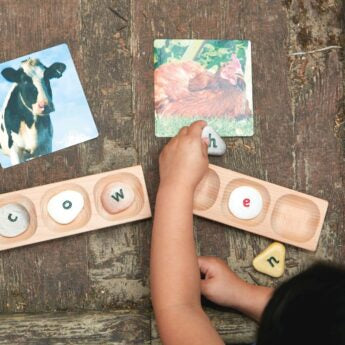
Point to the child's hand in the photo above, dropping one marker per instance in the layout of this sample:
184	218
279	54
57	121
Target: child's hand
224	287
221	285
184	160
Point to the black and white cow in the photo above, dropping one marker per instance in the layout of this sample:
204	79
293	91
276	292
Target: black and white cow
25	126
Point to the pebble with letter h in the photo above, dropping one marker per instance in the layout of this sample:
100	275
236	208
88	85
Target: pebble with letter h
216	145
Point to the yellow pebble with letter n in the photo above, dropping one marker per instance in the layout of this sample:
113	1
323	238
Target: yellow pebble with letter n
271	261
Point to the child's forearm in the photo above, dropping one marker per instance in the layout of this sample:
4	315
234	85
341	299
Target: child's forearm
254	300
175	277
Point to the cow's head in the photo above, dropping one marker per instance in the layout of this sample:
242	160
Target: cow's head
33	79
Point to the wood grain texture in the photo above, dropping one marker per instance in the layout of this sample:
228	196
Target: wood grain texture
280	140
117	260
86	328
50	275
297	102
317	87
232	327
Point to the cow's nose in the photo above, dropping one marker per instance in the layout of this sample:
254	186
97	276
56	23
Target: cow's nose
42	104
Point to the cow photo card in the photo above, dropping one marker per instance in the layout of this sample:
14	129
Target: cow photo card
44	108
207	80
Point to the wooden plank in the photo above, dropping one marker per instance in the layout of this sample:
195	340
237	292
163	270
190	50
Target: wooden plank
316	83
254	155
51	275
272	154
93	34
106	68
319	162
267	155
118	259
265	24
23	34
84	328
233	327
307	169
167	19
295	102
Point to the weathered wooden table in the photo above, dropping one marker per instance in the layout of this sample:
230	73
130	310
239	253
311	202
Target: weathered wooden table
93	288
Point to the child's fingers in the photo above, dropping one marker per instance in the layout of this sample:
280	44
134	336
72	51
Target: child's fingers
183	131
196	128
205	264
204	286
171	143
204	143
205	140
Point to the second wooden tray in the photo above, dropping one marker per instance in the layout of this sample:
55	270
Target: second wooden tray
287	216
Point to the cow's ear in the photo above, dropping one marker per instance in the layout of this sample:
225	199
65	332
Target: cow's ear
11	74
55	70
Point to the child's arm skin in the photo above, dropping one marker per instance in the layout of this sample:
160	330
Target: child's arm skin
175	274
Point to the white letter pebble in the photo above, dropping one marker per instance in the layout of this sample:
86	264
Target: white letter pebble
117	197
245	202
216	145
65	206
14	220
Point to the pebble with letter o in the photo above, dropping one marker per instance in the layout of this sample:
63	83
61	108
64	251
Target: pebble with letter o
65	206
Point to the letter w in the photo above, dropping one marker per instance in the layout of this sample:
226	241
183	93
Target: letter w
118	195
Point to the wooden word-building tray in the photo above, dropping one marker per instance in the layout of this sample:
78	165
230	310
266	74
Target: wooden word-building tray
45	212
286	215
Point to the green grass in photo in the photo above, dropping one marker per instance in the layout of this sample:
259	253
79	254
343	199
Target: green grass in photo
169	126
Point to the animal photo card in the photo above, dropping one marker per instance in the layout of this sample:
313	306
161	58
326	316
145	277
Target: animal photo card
44	108
207	80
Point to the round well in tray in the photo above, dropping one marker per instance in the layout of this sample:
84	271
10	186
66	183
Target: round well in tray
117	197
206	192
105	185
295	218
18	220
243	182
66	207
14	220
